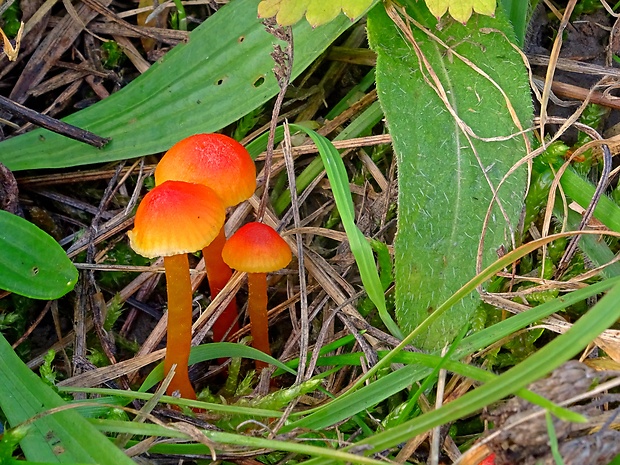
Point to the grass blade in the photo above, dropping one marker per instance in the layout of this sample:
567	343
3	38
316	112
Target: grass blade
562	348
337	174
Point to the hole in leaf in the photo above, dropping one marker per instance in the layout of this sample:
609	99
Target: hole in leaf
35	270
259	82
241	39
219	82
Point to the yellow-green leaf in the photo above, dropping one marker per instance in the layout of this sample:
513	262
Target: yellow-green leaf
268	8
291	10
461	10
288	12
438	7
485	7
321	12
355	9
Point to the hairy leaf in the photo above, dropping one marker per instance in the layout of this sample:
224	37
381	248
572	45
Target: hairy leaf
31	261
318	12
444	175
461	10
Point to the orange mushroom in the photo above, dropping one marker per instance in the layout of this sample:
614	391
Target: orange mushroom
224	165
257	249
173	219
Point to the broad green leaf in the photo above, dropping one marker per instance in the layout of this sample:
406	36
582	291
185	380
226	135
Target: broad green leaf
62	437
318	12
444	189
31	261
221	74
461	10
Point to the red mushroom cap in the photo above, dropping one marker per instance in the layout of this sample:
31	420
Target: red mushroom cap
214	160
256	248
176	217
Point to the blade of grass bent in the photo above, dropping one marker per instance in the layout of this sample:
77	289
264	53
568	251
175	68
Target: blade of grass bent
360	125
354	402
360	247
599	318
466	289
214	351
581	191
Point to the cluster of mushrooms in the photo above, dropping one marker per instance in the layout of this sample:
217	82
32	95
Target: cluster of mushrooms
195	181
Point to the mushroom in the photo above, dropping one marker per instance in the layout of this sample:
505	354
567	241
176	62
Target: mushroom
173	219
257	249
224	165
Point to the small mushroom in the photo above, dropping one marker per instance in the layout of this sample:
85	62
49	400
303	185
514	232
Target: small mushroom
224	165
257	249
173	219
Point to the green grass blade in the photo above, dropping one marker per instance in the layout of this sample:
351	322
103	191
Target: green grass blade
379	390
62	437
31	261
118	396
229	438
600	317
214	351
360	247
582	191
518	14
553	440
360	125
221	74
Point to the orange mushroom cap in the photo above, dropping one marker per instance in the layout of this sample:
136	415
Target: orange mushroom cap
176	217
256	248
214	160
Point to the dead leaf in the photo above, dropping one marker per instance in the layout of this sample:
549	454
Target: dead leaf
9	50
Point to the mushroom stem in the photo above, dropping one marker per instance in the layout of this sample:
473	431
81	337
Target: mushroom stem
257	309
218	274
179	335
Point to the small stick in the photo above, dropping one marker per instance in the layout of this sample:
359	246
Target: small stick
54	125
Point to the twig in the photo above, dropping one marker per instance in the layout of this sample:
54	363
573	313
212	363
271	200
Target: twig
54	125
283	70
571	248
303	301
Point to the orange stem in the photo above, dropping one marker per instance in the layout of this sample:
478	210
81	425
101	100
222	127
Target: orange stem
218	274
257	309
179	324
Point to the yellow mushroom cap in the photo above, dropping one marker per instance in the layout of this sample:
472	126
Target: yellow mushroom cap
256	248
176	217
214	160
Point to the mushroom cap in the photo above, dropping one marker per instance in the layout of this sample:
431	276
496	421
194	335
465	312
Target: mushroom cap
176	217
256	248
215	160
